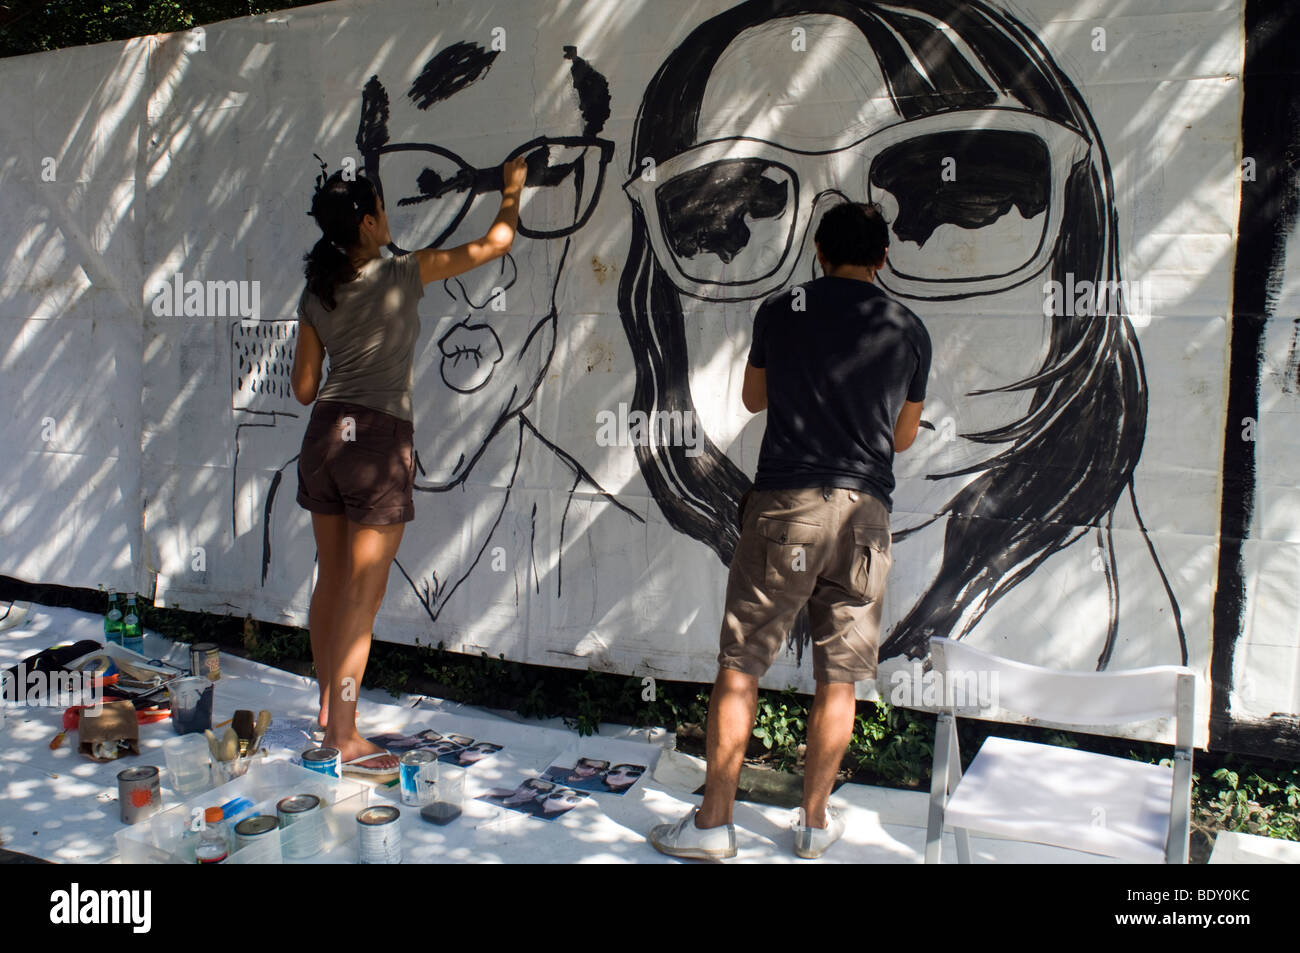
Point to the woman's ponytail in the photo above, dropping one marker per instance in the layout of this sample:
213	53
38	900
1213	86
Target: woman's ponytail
338	207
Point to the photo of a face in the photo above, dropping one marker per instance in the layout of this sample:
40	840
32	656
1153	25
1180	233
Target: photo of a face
593	774
396	742
475	753
587	768
560	801
446	749
620	778
523	798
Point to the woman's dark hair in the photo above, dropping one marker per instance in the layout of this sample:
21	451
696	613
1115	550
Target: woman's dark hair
852	233
338	207
1066	463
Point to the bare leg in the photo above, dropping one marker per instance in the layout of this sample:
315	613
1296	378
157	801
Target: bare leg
372	550
731	720
326	598
830	728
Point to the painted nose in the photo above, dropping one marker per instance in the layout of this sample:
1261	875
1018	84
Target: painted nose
485	285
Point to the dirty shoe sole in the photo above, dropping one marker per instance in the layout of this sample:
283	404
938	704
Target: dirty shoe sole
668	839
809	852
689	853
811	842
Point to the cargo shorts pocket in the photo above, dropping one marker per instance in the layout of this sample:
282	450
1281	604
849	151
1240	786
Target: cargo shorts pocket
788	551
872	557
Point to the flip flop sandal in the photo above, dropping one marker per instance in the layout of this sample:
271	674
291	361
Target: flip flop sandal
356	766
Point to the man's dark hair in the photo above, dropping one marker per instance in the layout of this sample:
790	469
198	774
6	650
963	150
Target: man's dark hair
853	233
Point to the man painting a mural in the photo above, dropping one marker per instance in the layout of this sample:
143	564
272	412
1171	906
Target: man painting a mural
905	90
841	370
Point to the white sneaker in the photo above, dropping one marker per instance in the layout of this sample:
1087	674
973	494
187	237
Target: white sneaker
811	842
684	839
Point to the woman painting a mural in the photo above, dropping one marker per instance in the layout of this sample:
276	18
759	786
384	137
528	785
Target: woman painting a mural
356	469
991	172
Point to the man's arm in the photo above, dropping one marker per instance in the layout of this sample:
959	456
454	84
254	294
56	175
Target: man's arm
308	356
909	421
753	393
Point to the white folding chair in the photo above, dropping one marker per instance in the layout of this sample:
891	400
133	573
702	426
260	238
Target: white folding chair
1046	794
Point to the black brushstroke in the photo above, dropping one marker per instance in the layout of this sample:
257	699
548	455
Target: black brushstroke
593	92
532	548
705	210
995	171
372	130
449	71
1270	134
266	522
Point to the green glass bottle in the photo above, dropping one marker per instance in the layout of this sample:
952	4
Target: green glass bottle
113	620
132	631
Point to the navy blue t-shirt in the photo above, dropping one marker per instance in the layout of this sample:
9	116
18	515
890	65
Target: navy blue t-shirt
838	372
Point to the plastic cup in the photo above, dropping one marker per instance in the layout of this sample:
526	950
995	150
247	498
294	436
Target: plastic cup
449	797
191	704
188	764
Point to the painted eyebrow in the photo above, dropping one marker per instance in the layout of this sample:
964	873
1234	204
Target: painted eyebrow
462	64
449	71
593	92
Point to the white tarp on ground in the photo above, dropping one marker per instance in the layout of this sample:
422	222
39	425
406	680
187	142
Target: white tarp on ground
59	806
190	157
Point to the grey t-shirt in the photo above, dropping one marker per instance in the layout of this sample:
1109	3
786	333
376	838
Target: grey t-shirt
370	335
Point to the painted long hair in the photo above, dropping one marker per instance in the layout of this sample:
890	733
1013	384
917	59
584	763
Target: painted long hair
1066	463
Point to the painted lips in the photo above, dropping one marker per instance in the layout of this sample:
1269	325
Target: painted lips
470	353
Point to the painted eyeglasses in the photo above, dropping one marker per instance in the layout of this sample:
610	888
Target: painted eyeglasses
428	190
974	197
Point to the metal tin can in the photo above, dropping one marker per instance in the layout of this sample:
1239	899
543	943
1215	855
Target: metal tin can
302	826
255	827
139	793
259	833
205	660
322	760
418	773
379	837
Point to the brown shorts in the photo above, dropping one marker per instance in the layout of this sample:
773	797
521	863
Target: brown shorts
828	549
357	462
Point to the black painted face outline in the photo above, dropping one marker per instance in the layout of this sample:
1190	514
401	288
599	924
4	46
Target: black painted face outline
489	179
1066	148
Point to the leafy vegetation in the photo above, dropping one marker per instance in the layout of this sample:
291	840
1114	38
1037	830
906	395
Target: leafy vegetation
31	26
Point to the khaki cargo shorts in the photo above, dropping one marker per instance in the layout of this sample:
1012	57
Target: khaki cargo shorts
828	549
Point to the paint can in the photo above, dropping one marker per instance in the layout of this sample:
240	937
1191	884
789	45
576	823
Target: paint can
418	773
259	833
138	793
323	760
205	660
302	826
379	837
